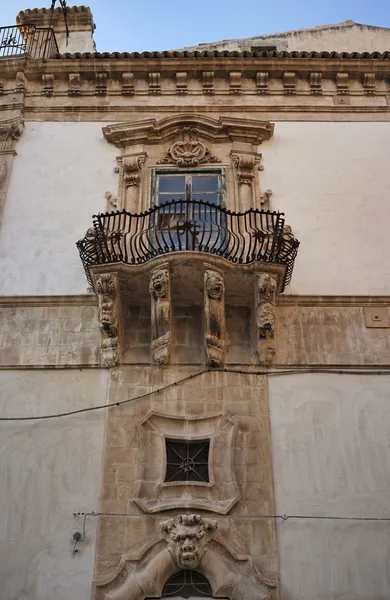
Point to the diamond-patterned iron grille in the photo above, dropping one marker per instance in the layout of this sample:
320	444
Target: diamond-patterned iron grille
187	460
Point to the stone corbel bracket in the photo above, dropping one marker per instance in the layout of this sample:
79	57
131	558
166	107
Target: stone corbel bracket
216	337
187	541
109	314
160	292
265	299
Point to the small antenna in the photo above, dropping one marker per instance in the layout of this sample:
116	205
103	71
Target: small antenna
64	12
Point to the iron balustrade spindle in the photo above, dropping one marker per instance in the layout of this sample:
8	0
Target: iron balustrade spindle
189	226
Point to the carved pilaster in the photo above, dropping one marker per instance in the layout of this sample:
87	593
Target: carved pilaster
160	292
216	340
265	293
107	290
245	164
10	132
131	166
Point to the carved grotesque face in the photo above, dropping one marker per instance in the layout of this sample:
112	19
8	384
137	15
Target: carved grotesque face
214	285
188	537
107	304
159	284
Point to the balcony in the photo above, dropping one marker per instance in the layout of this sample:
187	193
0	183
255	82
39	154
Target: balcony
256	236
27	40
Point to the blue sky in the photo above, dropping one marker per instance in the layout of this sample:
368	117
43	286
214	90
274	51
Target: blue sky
128	25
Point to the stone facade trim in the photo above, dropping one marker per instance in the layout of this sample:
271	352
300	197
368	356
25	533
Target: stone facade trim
219	495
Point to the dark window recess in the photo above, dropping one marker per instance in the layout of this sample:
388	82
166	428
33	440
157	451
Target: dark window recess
187	460
262	48
187	584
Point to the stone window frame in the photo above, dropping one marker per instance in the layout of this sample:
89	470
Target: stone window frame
219	494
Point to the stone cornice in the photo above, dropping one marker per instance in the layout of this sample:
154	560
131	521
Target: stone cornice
215	130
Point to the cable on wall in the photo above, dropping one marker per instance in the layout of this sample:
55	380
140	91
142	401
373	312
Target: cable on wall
333	371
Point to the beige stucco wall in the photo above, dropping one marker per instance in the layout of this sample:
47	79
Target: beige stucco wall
58	181
49	470
331	180
330	456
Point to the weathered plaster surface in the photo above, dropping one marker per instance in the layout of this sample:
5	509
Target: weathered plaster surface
58	180
330	438
49	470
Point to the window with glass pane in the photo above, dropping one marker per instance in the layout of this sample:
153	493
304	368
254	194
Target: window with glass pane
190	219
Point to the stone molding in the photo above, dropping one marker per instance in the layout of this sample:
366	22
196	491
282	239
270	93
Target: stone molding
219	495
160	292
224	129
185	541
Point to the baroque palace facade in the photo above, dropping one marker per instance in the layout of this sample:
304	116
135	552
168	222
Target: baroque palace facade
199	406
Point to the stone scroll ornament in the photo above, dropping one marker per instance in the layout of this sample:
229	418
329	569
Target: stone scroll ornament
216	340
190	543
108	314
265	318
160	291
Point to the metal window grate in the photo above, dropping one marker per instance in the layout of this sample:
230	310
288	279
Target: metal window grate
187	584
187	460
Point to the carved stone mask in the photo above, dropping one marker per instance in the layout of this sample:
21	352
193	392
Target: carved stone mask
105	288
214	285
188	537
158	286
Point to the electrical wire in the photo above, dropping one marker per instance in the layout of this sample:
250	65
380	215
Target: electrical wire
333	371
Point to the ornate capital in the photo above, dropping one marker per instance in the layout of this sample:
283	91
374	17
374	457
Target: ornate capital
245	164
10	131
132	165
187	150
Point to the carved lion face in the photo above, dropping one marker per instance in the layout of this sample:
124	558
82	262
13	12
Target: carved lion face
188	537
214	285
159	283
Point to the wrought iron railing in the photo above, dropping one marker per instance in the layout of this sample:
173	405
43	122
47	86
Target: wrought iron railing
196	226
36	42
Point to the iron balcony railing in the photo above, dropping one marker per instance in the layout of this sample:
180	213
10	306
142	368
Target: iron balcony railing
36	42
195	226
